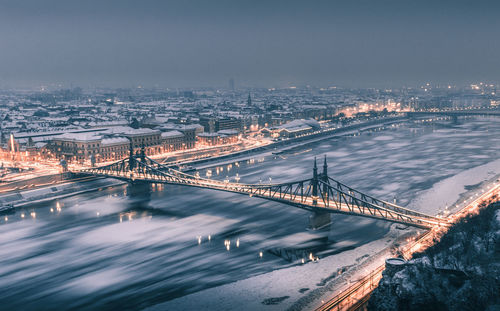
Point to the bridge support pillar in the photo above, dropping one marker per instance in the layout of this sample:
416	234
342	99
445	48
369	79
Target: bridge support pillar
139	190
319	220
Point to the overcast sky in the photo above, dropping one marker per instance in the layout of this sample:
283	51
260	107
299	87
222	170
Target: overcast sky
258	43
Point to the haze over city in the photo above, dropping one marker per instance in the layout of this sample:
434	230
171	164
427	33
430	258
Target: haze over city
258	43
249	155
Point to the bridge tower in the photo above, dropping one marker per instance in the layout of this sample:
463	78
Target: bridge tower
315	183
131	159
324	178
318	218
139	190
142	155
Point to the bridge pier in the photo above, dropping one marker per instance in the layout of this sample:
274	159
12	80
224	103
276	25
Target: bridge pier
139	193
319	220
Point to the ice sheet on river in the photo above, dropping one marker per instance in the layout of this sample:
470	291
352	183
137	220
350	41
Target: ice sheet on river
448	191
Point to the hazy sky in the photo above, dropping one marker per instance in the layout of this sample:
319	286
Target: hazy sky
259	43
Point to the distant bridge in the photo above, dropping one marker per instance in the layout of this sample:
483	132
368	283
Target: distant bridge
457	113
320	194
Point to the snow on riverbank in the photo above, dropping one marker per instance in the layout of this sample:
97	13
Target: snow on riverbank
450	190
282	289
257	293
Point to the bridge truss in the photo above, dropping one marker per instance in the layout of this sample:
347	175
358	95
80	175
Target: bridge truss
318	194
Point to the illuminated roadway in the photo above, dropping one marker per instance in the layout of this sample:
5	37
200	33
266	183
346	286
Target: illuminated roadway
356	295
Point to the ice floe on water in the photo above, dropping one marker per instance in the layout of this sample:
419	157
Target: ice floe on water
96	281
383	138
146	232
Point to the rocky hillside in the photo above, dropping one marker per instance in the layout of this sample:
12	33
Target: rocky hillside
460	272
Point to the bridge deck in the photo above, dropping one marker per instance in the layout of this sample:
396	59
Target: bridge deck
320	193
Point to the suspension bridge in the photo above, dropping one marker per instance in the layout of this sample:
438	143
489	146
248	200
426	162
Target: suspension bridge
319	194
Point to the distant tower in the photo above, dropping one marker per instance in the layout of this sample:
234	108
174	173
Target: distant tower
249	100
231	84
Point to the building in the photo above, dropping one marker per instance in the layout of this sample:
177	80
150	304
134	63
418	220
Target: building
209	139
145	138
75	147
208	124
292	129
229	136
189	131
104	145
231	84
228	124
223	137
212	125
114	148
173	141
114	143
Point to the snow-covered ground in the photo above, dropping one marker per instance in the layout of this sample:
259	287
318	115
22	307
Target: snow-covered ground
451	191
293	283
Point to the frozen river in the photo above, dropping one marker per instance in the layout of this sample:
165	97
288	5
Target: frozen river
132	247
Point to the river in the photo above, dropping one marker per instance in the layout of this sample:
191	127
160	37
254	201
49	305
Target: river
134	246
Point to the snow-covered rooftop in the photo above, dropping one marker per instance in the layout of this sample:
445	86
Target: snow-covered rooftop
114	141
228	132
205	134
140	131
83	137
171	134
